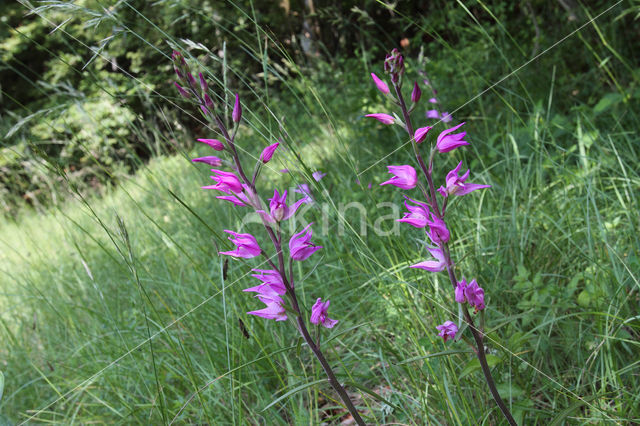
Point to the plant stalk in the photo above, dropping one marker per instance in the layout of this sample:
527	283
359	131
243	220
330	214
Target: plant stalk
302	328
478	335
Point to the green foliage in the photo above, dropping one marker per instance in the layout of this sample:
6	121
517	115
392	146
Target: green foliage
554	242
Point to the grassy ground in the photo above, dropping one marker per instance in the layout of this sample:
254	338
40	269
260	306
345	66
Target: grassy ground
114	308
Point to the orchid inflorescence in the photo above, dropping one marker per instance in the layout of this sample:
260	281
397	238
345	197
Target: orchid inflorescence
276	289
430	213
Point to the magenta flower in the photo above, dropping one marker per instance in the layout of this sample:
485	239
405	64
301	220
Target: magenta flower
433	100
433	265
245	198
213	143
237	110
246	245
474	295
300	246
447	330
455	184
438	231
183	92
433	113
446	117
274	310
421	133
459	292
210	160
318	175
303	189
272	284
447	142
267	153
381	85
416	93
225	181
418	215
279	210
319	314
404	177
383	118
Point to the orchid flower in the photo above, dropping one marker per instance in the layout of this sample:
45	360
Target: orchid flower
319	314
404	177
447	330
455	184
246	245
447	142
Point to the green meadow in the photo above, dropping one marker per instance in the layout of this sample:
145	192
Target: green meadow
115	306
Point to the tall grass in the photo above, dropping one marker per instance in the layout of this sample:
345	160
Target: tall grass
115	307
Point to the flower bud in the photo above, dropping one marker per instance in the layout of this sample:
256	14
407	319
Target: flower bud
416	93
267	153
207	101
203	83
183	92
237	110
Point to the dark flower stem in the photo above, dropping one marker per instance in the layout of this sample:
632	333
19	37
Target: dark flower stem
478	335
276	240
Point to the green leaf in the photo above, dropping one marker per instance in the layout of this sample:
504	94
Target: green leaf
511	391
607	101
294	390
1	384
474	365
557	420
444	353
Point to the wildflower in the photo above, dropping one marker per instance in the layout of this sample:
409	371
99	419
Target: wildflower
381	85
433	113
421	133
404	177
304	189
225	182
474	295
237	110
446	117
433	265
416	93
319	314
318	175
274	310
213	143
267	153
438	231
279	210
433	100
383	118
246	245
459	291
300	246
245	198
418	215
210	160
447	142
455	184
272	283
183	92
447	330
